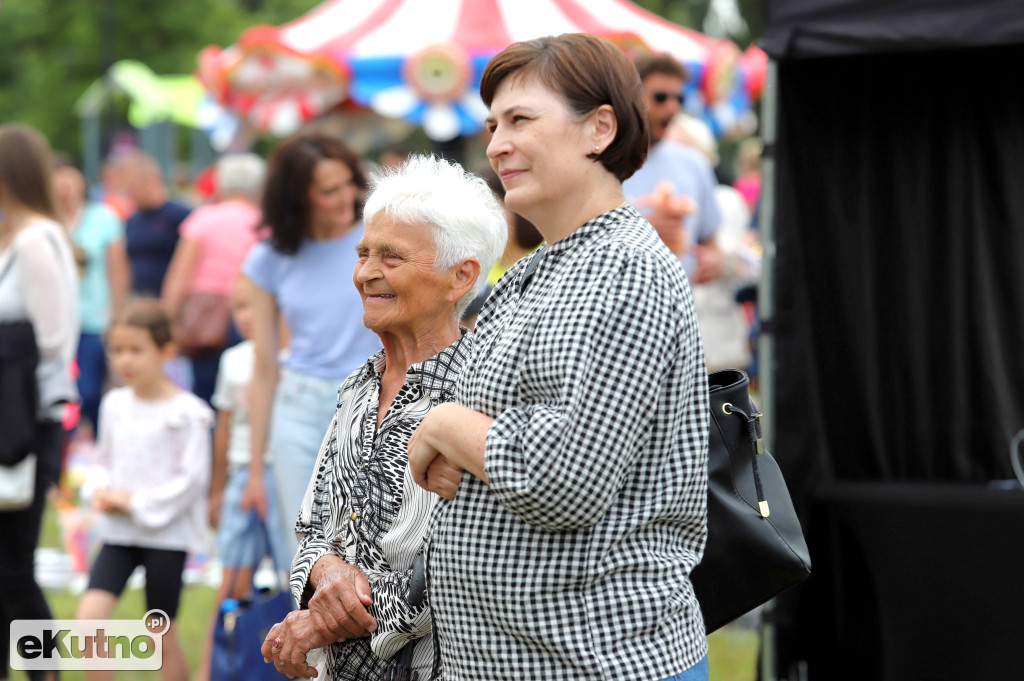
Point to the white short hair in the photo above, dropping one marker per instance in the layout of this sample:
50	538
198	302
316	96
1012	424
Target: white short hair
466	219
240	174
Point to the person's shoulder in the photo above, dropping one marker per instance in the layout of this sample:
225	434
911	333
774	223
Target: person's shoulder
239	353
117	397
40	232
193	408
176	210
634	251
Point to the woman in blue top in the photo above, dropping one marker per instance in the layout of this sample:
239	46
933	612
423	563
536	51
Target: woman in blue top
303	277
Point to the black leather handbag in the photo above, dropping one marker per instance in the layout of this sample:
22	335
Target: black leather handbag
755	546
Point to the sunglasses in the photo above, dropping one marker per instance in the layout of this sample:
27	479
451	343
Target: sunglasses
662	97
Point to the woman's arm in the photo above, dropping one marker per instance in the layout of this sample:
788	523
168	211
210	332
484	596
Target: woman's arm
120	272
590	382
450	439
48	293
261	393
219	478
179	274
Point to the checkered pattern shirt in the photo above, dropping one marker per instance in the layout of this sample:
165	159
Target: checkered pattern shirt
574	562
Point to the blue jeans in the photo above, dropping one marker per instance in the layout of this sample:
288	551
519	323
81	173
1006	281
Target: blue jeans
92	372
698	672
303	409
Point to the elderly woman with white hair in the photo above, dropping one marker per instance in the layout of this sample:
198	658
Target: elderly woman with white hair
431	229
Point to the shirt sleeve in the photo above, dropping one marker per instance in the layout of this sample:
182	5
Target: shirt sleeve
313	541
559	459
222	398
190	481
48	298
397	621
260	267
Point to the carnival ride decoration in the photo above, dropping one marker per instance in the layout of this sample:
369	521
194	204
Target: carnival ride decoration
421	60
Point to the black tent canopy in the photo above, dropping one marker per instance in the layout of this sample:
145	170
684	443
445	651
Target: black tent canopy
894	201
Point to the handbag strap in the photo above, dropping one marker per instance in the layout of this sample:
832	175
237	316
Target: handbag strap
755	436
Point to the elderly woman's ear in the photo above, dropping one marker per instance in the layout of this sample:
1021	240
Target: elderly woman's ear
465	275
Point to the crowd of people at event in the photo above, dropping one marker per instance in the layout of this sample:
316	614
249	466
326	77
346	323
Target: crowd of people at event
337	407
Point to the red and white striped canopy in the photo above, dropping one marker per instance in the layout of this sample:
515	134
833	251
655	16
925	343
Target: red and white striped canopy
282	76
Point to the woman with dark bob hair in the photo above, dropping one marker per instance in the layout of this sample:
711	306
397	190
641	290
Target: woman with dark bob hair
575	455
312	202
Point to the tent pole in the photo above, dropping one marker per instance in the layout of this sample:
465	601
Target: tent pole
766	310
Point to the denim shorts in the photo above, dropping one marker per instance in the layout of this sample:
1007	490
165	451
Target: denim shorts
698	672
241	539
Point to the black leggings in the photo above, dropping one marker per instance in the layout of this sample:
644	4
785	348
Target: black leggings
114	565
20	595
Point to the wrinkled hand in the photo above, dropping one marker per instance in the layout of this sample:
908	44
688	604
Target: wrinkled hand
430	469
340	600
255	496
295	636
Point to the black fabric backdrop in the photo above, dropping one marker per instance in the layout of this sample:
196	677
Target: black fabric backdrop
803	28
900	268
899	297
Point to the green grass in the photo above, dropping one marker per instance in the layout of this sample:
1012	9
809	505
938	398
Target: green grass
732	650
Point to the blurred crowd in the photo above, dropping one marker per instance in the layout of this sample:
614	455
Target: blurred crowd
245	300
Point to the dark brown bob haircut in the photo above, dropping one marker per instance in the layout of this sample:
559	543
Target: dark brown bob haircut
646	64
286	208
587	72
147	314
25	169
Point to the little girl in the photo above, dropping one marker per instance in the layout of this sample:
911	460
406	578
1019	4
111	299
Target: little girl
150	477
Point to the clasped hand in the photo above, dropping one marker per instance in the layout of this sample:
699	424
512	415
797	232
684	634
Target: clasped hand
431	469
337	611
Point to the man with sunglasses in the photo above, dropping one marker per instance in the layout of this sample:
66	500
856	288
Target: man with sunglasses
675	187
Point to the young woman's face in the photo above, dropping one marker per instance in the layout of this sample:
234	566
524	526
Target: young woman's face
538	147
135	358
332	195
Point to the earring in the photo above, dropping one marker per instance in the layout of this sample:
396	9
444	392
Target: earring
597	149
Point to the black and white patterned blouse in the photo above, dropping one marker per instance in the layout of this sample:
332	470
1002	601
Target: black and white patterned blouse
574	562
363	506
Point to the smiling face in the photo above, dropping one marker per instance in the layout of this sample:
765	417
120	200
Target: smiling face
135	357
402	292
663	98
332	196
538	147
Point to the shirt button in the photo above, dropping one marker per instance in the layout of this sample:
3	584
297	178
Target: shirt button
354	515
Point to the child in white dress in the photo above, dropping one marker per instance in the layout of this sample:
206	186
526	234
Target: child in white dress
149	479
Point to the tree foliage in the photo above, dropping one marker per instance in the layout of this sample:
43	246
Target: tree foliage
53	50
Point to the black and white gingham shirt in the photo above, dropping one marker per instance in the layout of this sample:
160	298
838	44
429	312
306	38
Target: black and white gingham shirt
574	563
363	506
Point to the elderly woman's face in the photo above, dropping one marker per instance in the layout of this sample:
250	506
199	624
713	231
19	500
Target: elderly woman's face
402	291
538	148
